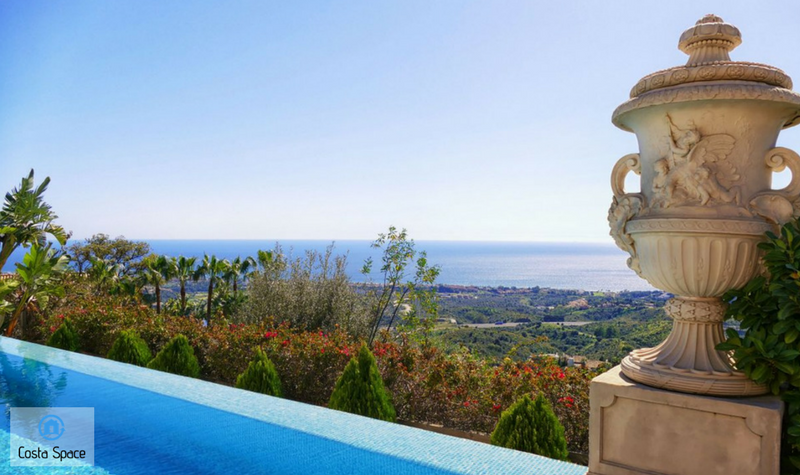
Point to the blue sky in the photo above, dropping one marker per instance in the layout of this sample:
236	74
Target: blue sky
332	120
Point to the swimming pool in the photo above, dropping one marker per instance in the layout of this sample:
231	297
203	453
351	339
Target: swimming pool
151	422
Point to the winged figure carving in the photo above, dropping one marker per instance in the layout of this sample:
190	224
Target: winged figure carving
696	170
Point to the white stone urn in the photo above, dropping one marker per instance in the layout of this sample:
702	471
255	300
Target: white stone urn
707	133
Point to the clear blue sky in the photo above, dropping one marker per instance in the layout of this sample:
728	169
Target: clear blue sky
481	120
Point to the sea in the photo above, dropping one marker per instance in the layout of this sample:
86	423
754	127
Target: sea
579	266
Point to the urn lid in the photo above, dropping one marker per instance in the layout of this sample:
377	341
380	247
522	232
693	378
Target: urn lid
708	44
710	74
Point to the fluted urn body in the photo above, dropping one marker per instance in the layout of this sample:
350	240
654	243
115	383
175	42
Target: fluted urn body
707	133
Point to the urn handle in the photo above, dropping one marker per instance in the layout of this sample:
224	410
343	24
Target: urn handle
626	164
778	159
625	206
779	206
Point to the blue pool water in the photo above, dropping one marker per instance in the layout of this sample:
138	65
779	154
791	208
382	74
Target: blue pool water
149	422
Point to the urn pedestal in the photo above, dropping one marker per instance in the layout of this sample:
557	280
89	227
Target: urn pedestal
640	430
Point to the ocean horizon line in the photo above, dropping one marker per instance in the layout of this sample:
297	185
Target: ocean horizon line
560	265
476	241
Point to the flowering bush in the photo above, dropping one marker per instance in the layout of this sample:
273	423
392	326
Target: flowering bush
462	391
427	384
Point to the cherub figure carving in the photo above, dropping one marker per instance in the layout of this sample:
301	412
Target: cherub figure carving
695	170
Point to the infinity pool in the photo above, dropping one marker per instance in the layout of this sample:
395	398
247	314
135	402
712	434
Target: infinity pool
148	422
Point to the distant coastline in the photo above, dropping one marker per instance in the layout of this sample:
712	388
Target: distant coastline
580	266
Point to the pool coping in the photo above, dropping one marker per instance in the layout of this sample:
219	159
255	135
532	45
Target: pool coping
443	452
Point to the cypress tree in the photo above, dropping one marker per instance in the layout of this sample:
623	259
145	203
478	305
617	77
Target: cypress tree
531	426
64	337
130	348
360	389
177	357
260	376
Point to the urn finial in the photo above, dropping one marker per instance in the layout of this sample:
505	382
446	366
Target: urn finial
709	41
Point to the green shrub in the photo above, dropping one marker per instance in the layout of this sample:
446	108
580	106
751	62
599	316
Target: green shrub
64	337
360	389
312	291
768	309
130	348
177	357
531	426
260	376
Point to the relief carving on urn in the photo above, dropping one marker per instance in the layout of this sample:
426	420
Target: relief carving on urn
707	132
695	171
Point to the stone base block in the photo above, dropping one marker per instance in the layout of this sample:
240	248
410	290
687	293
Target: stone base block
635	429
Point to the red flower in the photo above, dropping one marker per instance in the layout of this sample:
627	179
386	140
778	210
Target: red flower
285	343
466	403
496	407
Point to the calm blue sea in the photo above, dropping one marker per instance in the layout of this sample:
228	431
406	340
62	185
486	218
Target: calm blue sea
555	265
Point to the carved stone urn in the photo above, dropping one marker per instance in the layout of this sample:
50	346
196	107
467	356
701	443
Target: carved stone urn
707	133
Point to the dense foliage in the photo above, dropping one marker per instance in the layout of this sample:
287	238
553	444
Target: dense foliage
768	309
260	376
118	252
531	426
457	389
312	291
26	219
37	280
177	357
64	337
360	389
130	348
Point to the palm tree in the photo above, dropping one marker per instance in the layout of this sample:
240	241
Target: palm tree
212	269
158	271
26	219
184	271
239	268
104	273
38	279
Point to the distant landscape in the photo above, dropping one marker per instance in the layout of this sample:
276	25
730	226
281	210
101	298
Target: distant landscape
496	322
600	326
